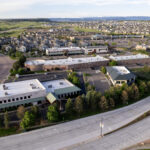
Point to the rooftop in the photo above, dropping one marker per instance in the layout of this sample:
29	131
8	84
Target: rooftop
119	73
59	86
130	57
55	49
21	87
68	61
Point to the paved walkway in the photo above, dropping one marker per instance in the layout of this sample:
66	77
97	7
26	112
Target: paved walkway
74	132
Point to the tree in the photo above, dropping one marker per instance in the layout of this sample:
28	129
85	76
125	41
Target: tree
103	69
79	105
136	94
111	103
35	111
6	120
112	63
53	113
22	60
103	104
20	112
142	88
69	107
16	65
76	81
28	120
124	97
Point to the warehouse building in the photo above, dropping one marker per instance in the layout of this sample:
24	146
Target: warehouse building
131	59
120	75
35	92
64	51
66	64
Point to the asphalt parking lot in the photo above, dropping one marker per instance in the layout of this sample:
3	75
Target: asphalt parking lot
97	79
5	65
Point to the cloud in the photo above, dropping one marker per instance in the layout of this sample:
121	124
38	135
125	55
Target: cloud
8	6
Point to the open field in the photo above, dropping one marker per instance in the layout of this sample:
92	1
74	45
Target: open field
13	29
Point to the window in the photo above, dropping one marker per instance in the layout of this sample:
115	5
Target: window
25	97
4	101
13	99
21	98
17	99
0	102
9	100
29	96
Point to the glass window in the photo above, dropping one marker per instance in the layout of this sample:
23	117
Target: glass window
29	96
25	97
4	101
21	98
17	99
9	100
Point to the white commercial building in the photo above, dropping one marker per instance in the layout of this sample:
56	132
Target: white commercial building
69	63
20	93
96	49
35	92
55	51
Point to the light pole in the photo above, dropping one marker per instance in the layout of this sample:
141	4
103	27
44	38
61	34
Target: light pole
101	127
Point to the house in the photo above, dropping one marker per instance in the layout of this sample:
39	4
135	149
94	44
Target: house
22	49
120	75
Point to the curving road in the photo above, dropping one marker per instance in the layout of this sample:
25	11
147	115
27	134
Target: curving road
74	132
5	65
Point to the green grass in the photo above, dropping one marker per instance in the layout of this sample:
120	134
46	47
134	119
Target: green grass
143	73
6	25
6	132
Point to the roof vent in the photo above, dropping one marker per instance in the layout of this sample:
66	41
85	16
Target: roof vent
6	93
50	86
5	87
61	83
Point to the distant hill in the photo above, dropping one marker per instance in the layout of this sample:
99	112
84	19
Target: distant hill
30	19
144	18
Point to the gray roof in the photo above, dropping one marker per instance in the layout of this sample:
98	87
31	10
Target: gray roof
117	76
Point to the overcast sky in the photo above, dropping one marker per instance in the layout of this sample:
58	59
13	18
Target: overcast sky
73	8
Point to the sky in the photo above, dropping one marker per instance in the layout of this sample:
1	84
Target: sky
72	8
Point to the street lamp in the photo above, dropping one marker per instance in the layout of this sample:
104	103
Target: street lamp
101	127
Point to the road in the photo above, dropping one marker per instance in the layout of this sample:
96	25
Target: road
5	65
74	132
120	139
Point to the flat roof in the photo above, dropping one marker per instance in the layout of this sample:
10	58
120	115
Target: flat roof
51	86
130	57
68	61
21	87
56	49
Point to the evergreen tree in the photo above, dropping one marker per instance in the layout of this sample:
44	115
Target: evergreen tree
20	112
124	97
69	107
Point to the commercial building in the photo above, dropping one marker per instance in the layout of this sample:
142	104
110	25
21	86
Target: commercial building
60	90
36	92
131	59
66	64
64	51
120	75
21	93
96	49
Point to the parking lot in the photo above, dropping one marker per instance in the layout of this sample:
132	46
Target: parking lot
97	79
5	65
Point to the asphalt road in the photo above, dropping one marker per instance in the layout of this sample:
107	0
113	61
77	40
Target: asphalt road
76	132
120	139
5	65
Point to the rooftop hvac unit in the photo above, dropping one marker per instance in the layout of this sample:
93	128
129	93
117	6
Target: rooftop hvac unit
6	93
61	83
5	87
